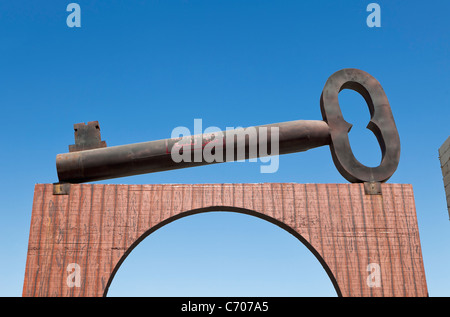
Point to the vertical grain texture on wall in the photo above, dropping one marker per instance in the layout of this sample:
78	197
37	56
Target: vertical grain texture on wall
97	225
444	156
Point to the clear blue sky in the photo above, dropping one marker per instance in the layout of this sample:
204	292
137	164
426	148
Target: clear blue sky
142	68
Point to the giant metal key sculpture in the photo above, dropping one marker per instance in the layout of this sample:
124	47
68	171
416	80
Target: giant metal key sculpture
89	159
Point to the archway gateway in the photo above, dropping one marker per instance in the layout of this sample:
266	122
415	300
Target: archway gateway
221	254
367	241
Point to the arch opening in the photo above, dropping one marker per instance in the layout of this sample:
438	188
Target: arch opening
270	257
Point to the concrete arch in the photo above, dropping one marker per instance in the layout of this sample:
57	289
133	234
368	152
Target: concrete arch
229	209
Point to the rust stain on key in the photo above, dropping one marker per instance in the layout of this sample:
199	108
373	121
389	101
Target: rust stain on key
294	136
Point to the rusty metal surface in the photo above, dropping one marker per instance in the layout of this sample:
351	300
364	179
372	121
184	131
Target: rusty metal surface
87	137
155	156
381	124
372	188
61	188
90	164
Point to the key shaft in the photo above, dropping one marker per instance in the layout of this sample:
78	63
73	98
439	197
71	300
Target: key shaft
155	156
